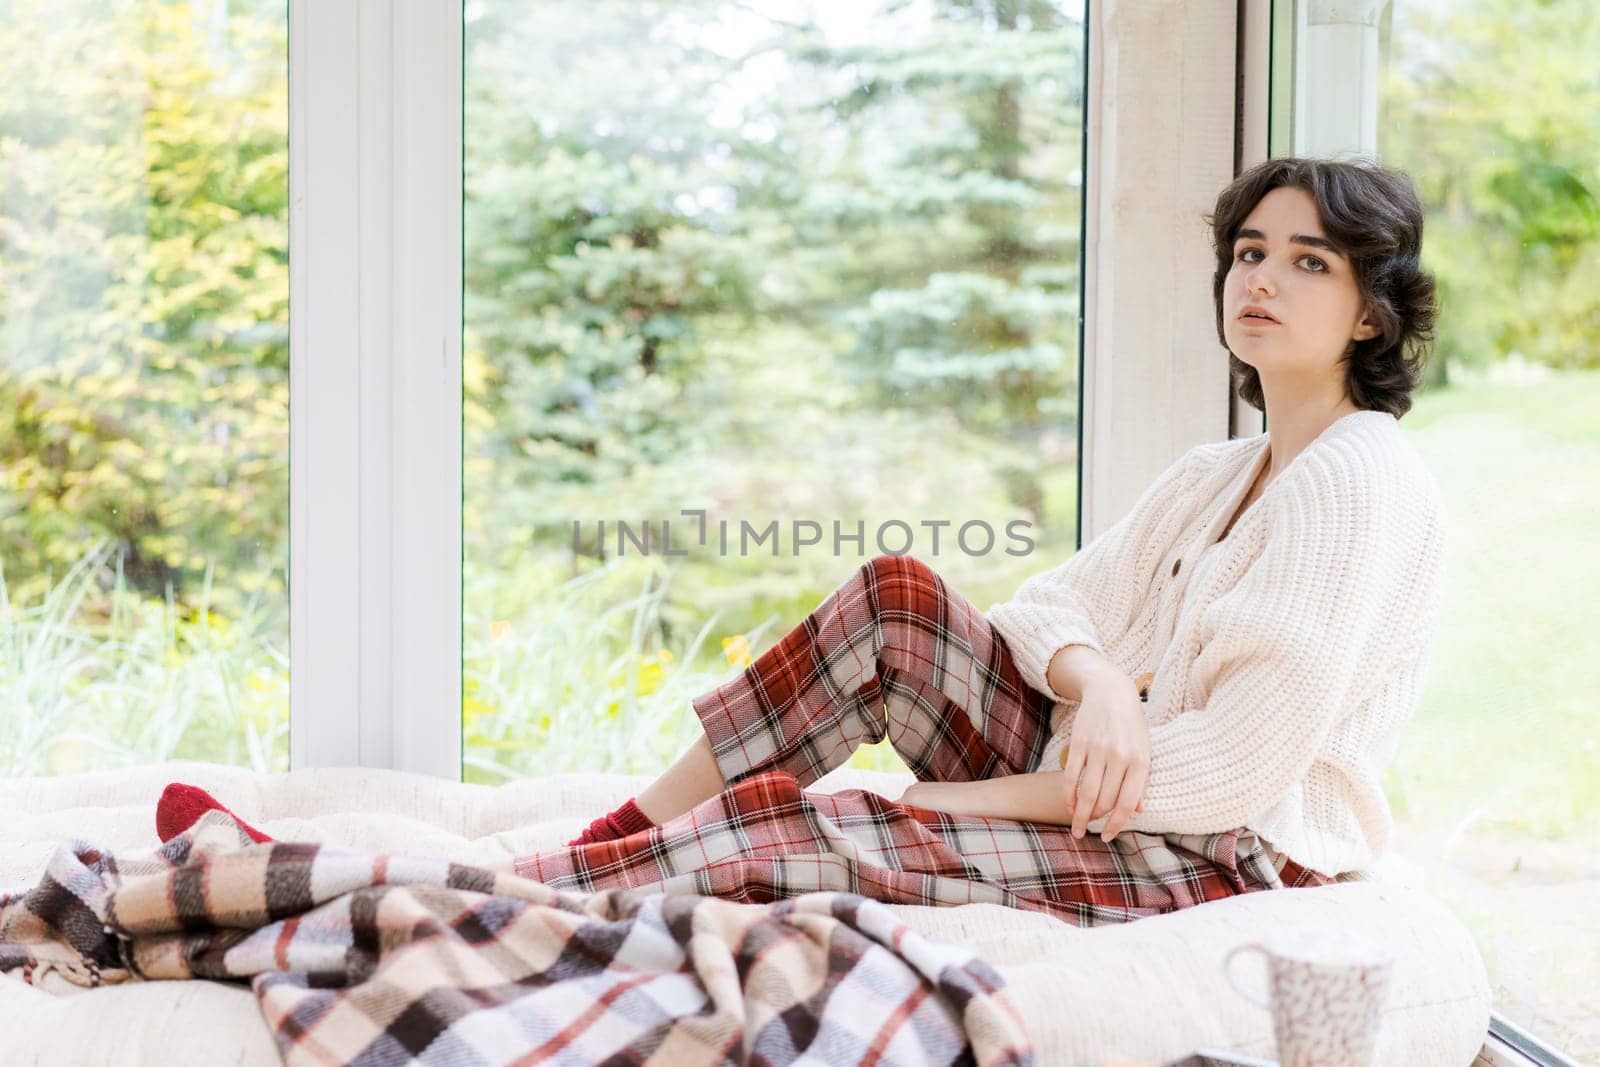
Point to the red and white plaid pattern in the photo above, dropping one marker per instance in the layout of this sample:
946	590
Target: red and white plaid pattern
895	652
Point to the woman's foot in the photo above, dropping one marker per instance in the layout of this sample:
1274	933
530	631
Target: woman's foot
626	820
180	805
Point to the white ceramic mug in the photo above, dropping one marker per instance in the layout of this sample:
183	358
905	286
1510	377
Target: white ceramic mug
1327	987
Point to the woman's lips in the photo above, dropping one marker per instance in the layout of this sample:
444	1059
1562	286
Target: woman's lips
1253	320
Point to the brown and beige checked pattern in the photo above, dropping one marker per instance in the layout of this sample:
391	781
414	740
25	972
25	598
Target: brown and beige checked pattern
358	957
895	652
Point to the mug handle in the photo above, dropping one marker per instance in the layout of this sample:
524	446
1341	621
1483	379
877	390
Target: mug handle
1227	971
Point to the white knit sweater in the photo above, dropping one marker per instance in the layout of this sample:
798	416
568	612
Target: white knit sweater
1286	657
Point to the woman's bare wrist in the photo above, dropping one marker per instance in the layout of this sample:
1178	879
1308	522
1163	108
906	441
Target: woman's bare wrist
1076	669
1108	679
955	798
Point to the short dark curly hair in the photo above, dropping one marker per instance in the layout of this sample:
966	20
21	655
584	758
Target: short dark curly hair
1372	214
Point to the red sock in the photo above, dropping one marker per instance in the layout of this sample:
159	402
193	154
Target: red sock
180	805
626	820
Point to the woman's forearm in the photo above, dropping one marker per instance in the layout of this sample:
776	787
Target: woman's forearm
1037	797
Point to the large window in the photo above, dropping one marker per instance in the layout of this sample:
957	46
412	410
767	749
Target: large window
754	293
143	384
1494	109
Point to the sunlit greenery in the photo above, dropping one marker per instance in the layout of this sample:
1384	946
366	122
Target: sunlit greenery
144	299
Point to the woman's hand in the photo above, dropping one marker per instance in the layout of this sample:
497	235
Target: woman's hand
1108	755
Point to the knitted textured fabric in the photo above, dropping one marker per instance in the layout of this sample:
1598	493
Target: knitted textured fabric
1286	658
626	820
180	805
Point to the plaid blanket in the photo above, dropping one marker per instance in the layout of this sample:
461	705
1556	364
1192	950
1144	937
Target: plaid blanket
360	957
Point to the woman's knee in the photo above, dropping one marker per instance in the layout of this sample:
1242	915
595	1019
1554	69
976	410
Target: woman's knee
890	571
904	585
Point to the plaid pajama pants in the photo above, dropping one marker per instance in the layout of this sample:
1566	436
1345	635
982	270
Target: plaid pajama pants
895	652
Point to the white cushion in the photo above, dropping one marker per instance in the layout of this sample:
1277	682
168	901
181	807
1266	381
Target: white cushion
1147	990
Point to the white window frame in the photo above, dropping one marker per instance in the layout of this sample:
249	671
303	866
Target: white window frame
375	384
1334	38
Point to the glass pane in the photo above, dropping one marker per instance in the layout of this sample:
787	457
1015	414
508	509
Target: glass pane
806	273
143	384
1493	109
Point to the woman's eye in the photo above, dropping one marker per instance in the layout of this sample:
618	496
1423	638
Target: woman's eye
1321	267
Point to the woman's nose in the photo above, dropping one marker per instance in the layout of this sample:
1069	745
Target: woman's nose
1257	280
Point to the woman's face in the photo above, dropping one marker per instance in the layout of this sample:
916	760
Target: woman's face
1283	262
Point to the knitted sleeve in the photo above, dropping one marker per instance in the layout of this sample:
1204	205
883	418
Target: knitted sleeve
1348	576
1098	587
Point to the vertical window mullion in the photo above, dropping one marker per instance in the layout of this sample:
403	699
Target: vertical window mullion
426	523
325	659
375	383
1161	139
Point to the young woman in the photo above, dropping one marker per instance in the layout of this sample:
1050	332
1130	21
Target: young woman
1198	703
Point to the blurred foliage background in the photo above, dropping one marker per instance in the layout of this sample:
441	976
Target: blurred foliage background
144	298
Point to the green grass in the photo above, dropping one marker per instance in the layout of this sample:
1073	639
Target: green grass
94	677
1505	733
